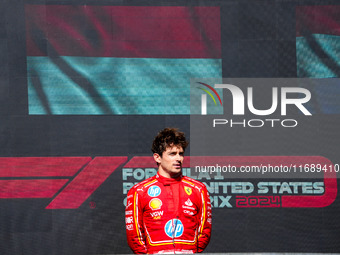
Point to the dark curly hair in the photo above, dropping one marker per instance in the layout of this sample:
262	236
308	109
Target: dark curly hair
167	138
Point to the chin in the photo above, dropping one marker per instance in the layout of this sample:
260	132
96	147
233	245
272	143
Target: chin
177	171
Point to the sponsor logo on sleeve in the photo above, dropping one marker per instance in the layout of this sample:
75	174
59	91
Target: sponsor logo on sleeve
128	212
129	227
128	205
128	220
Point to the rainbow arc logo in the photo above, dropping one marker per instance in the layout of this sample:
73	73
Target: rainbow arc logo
204	97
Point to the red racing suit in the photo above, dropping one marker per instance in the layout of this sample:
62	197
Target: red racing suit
166	215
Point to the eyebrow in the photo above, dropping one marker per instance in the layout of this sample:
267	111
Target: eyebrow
180	152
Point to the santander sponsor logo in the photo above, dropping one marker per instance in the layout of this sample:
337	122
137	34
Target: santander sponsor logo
188	205
188	202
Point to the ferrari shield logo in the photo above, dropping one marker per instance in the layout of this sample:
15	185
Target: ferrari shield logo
188	190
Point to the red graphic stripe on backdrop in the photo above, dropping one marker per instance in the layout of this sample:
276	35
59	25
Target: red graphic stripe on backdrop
30	188
123	31
86	182
318	19
41	166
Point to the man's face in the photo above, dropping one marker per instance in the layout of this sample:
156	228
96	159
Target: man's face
170	163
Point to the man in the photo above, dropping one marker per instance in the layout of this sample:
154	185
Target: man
168	213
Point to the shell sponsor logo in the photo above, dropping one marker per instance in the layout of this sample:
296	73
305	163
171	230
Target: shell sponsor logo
155	203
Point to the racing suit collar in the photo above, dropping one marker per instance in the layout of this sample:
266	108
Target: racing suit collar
168	181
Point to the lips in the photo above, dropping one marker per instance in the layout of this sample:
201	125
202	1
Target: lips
177	165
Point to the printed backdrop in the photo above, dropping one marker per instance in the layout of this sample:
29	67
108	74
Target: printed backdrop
86	85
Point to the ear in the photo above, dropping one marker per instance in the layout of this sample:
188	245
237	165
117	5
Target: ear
157	158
